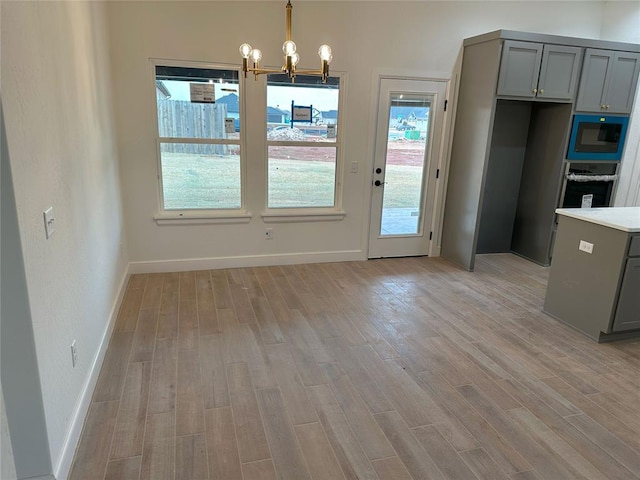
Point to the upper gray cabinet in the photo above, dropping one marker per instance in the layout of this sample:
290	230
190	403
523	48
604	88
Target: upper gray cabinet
608	81
537	71
519	69
559	72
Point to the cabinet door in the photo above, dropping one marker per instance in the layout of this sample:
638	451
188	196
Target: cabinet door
593	80
519	69
621	87
559	72
628	312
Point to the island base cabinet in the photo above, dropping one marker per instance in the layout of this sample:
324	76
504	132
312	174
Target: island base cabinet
582	286
594	282
628	311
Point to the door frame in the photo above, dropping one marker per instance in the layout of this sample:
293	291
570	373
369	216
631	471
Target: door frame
441	157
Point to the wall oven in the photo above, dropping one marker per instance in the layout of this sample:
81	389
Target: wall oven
597	137
589	185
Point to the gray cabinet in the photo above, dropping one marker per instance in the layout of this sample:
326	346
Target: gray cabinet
519	69
533	70
628	310
608	81
596	290
496	154
559	72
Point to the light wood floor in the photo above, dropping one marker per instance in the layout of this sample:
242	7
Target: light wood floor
388	369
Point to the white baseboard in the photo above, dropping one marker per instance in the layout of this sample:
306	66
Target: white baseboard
61	470
245	261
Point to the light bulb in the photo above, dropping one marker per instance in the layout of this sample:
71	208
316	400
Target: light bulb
325	52
288	48
256	55
245	50
295	58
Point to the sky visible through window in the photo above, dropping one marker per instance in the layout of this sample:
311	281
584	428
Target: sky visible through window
321	98
279	96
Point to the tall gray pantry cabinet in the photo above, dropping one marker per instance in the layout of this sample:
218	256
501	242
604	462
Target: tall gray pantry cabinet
517	96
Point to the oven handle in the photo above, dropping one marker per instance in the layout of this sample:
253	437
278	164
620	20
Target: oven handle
572	177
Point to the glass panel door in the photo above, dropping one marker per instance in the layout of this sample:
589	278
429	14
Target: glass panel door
408	137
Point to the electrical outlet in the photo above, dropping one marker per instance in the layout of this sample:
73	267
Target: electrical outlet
268	233
354	167
586	246
74	354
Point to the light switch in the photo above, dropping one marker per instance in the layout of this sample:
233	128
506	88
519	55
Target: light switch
49	222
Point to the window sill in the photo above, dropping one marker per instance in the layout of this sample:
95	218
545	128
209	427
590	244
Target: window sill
201	218
299	215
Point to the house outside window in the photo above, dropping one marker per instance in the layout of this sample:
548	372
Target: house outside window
199	141
303	144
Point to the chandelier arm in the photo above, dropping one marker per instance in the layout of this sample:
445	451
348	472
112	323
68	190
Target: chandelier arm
308	72
320	73
260	71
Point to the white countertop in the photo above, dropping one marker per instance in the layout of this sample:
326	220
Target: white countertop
626	219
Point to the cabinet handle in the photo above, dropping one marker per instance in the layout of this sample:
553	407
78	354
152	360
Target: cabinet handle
607	106
541	91
535	90
603	106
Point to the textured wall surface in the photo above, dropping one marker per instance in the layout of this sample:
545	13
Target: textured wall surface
621	22
57	103
18	360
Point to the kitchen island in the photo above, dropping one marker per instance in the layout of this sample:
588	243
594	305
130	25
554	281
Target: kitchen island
594	282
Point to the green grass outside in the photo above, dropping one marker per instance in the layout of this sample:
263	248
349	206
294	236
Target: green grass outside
196	181
192	181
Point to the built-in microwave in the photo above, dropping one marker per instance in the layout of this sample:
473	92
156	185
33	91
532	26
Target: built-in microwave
597	137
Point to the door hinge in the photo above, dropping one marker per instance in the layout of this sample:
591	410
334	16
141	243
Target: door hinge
438	173
430	235
445	105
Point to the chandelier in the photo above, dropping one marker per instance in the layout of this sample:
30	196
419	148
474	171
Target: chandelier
291	57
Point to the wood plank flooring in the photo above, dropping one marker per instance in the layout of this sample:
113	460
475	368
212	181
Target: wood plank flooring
390	369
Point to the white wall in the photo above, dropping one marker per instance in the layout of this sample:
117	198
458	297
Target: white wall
60	138
19	372
366	37
621	22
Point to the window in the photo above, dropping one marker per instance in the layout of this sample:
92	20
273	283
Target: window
302	142
199	120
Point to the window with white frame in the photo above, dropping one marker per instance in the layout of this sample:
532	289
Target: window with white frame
302	142
199	121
